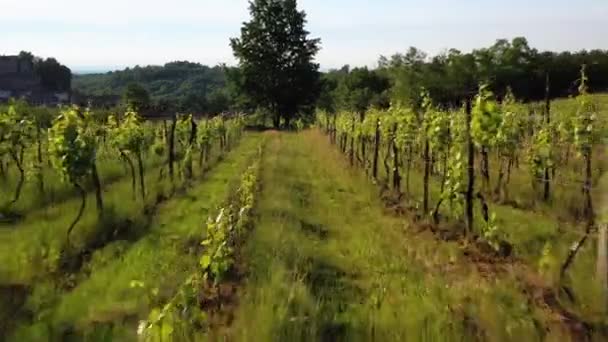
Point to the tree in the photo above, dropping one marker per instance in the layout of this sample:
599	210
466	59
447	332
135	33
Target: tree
359	89
276	59
136	96
54	75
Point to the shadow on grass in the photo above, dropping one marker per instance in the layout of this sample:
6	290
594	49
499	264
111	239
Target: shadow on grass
111	227
335	292
315	229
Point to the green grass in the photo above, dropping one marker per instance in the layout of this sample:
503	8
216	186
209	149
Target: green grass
38	241
327	263
125	280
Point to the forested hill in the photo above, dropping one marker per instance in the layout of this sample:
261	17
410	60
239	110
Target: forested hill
185	84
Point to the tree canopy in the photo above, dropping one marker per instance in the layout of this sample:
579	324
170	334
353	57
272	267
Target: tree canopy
53	75
183	85
136	96
276	59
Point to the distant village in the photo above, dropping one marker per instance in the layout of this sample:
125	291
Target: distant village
18	80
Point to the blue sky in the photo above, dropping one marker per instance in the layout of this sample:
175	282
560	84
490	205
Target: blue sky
108	34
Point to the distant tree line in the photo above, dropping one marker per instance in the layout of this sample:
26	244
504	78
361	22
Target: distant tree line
452	75
292	87
182	86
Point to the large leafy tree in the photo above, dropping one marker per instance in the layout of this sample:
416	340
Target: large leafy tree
276	59
136	96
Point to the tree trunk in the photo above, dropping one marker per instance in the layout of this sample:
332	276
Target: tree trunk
191	141
436	211
485	211
97	185
485	169
444	171
363	156
276	121
588	211
573	252
508	180
165	131
333	129
202	159
547	185
387	167
171	160
132	169
83	203
376	151
470	171
427	174
142	181
501	176
18	163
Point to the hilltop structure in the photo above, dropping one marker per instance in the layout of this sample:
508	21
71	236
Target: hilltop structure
18	79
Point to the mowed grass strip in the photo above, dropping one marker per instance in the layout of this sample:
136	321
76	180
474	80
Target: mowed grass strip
326	262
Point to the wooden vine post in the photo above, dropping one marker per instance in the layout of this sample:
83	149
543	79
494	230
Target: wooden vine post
547	177
376	150
171	156
470	170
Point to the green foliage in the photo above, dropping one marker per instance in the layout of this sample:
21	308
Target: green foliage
275	55
492	233
451	76
585	129
407	126
541	155
179	318
130	134
455	182
486	118
136	97
73	144
53	75
353	90
509	135
190	87
16	129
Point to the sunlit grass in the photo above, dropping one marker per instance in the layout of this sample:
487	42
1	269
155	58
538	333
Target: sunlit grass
125	280
327	263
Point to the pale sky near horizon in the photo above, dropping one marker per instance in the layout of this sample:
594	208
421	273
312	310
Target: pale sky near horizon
111	34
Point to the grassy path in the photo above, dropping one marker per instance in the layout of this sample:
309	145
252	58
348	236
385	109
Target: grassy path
327	263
